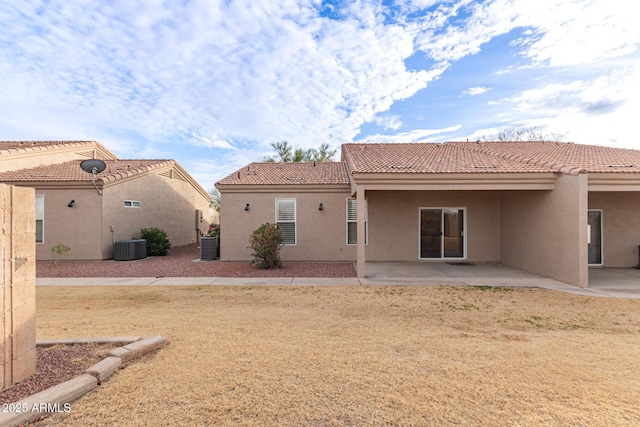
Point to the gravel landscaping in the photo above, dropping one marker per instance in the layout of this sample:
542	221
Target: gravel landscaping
55	365
183	261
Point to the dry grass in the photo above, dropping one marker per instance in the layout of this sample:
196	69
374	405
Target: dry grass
325	356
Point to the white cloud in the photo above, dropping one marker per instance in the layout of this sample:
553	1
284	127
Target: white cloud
559	32
601	111
476	90
267	70
416	135
213	73
392	122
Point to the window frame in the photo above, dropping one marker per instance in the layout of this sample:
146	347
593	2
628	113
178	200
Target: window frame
295	218
41	219
133	204
355	221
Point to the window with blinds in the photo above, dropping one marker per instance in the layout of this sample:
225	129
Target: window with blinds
39	218
286	219
352	222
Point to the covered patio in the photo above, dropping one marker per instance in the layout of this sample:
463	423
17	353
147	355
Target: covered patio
610	282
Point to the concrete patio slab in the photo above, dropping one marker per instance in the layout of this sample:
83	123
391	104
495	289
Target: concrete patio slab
256	281
67	281
325	281
186	281
119	281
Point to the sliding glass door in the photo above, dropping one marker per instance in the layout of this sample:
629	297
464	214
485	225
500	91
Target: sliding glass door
442	233
595	237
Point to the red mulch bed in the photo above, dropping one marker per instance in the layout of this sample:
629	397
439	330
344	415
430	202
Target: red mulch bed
55	365
183	261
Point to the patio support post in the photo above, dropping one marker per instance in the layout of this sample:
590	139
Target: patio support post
361	232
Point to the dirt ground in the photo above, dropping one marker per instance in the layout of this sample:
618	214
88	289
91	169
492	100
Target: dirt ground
346	356
183	261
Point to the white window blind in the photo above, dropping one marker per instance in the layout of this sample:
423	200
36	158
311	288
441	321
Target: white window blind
352	222
286	219
39	218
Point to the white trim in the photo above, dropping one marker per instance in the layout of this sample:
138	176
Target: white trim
464	233
295	218
601	239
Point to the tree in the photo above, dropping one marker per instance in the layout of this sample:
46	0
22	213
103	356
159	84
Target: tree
324	153
215	199
286	153
523	133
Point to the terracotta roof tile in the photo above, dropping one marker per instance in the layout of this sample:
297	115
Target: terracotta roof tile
414	158
10	147
490	157
590	158
70	171
269	173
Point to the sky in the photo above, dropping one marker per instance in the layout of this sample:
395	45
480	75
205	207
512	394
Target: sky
212	83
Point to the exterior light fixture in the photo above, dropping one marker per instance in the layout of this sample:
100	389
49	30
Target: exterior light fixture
321	207
246	207
71	203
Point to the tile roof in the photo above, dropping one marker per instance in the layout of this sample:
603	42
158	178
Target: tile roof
270	173
414	158
11	147
488	157
590	158
71	172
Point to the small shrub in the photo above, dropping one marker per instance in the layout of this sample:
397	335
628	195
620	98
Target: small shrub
158	243
266	242
214	230
60	249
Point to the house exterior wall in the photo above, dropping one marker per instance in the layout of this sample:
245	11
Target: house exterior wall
166	203
321	235
545	232
394	218
78	227
393	224
621	226
18	284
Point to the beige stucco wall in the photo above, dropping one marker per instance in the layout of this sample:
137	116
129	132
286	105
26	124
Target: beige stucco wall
621	226
78	227
321	235
166	203
545	232
393	224
394	218
18	273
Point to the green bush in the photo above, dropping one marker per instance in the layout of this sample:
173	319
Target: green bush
266	242
60	249
158	242
214	230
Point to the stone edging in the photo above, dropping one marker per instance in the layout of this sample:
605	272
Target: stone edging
59	397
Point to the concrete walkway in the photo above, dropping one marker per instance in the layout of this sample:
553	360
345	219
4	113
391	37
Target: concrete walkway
604	282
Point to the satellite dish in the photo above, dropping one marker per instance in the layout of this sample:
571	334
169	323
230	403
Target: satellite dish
93	166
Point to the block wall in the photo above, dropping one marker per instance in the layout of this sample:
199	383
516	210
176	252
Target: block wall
18	276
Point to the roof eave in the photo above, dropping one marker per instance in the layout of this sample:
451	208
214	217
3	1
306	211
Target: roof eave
279	188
